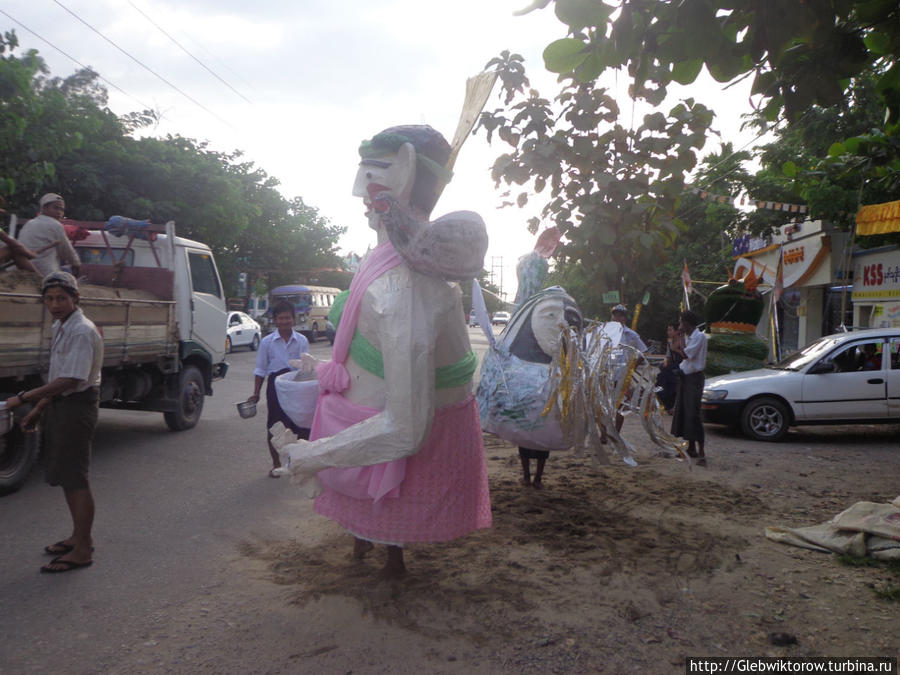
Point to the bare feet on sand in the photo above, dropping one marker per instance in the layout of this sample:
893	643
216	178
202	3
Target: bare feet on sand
361	547
394	568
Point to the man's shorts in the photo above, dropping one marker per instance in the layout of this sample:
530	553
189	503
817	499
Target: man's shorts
68	429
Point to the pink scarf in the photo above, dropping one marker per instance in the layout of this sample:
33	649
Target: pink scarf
334	413
333	376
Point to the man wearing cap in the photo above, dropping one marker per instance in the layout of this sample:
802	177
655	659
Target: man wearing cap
629	338
46	236
68	404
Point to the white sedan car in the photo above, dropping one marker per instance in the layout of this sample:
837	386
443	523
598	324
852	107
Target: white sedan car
241	331
500	318
844	378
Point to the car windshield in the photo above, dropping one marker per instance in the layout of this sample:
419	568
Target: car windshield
812	351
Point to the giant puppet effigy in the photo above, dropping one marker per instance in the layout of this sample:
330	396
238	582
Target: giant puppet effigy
732	314
395	452
550	380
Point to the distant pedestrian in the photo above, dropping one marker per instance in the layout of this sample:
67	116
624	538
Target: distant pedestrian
46	236
68	403
686	422
540	457
276	350
629	338
670	373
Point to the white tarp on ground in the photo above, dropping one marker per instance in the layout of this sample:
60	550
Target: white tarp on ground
865	529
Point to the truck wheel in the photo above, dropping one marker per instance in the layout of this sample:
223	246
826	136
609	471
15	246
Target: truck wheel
18	453
191	392
314	333
765	419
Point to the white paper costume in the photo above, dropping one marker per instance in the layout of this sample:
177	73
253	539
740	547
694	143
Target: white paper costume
549	382
515	374
396	440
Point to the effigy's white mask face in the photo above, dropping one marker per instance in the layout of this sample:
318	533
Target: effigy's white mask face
547	321
392	173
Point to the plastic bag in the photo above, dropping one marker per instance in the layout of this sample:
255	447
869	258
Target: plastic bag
298	393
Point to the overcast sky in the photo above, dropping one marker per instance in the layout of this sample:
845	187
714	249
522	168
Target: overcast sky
306	80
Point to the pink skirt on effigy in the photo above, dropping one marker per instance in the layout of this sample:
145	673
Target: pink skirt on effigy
438	494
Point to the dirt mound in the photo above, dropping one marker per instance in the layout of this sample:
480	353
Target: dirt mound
21	281
601	531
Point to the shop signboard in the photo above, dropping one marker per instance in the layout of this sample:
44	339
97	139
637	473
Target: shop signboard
876	276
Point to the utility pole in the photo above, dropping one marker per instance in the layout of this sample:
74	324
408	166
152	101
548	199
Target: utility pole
497	270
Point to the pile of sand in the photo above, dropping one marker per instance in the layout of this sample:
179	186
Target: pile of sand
28	283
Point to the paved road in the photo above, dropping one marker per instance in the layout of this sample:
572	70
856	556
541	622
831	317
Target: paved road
171	509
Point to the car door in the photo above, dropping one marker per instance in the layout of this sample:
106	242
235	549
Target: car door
892	373
236	329
855	386
249	327
207	303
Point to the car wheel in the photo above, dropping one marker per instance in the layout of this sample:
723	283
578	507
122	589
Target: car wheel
227	345
255	344
765	419
18	453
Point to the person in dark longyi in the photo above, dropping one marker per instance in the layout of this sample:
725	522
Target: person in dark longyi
276	350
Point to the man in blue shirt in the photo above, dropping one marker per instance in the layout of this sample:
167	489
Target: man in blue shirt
273	359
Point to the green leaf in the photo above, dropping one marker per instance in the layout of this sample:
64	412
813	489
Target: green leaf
836	150
890	80
789	169
878	43
590	70
686	72
606	234
578	14
563	56
725	68
852	144
763	82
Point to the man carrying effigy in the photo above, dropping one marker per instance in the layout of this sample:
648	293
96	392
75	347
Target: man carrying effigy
396	440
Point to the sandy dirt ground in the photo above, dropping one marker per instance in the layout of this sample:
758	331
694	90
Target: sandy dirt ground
606	570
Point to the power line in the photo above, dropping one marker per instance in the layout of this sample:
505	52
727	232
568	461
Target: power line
72	58
145	67
179	45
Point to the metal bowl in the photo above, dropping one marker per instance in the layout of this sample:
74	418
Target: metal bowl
246	409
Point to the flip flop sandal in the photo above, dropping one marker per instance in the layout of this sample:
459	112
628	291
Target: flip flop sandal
60	548
69	565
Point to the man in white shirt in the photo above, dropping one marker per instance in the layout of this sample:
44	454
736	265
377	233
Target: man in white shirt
46	236
630	338
276	351
70	399
686	421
